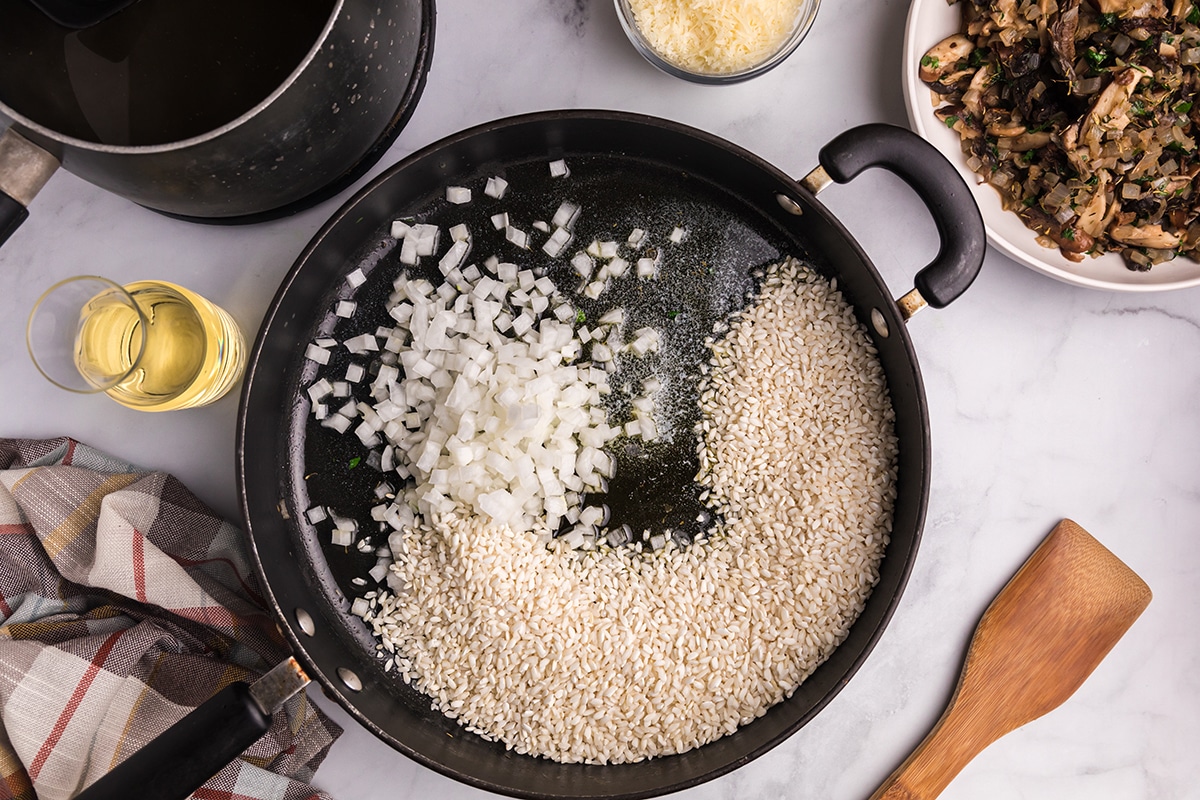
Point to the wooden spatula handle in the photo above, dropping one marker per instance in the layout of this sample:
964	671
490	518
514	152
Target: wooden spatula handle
928	771
1034	646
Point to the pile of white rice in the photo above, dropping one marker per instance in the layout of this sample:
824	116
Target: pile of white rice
611	655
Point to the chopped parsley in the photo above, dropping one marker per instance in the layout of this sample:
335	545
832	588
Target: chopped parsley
354	462
930	61
1183	107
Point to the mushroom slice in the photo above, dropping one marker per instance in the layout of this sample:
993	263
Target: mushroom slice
1062	37
941	58
1006	129
1144	236
1092	218
1030	141
1132	8
1110	111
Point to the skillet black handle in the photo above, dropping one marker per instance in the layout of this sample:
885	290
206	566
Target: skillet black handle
24	170
188	753
937	182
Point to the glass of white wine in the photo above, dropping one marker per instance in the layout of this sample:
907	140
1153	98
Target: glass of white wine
149	345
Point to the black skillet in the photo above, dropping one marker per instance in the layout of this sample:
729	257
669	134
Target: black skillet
626	171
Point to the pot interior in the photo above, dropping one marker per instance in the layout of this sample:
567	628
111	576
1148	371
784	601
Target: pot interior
626	172
156	72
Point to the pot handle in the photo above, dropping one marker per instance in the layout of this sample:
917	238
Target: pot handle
939	185
24	170
179	760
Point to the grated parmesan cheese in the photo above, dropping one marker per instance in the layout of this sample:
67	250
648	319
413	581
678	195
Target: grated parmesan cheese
715	36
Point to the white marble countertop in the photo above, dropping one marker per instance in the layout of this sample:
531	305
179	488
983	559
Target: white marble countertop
1047	401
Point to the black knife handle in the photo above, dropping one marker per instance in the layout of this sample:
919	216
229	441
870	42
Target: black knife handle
191	751
24	169
12	214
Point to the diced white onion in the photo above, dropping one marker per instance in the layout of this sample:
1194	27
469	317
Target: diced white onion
517	236
317	354
496	187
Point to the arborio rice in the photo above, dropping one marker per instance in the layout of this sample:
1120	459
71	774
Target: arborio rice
613	656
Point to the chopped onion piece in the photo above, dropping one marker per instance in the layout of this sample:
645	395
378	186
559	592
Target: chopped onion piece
320	390
453	257
496	187
408	250
517	236
558	169
646	340
364	343
500	221
317	354
557	242
426	238
565	215
583	265
346	308
677	235
458	195
356	278
400	229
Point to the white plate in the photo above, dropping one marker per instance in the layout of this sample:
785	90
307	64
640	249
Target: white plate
930	21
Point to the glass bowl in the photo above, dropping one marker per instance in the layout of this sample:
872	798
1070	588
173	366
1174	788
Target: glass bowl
806	14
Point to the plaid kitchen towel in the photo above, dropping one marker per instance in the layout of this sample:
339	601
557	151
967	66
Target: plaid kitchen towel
124	603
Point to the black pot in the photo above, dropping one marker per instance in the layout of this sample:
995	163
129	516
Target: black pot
627	164
357	73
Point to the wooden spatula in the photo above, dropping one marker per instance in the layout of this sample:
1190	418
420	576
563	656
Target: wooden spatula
1035	645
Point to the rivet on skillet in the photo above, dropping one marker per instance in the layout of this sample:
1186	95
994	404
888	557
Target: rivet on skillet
789	205
350	679
879	323
305	621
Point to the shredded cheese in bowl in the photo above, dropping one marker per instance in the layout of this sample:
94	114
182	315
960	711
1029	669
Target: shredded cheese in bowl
720	37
